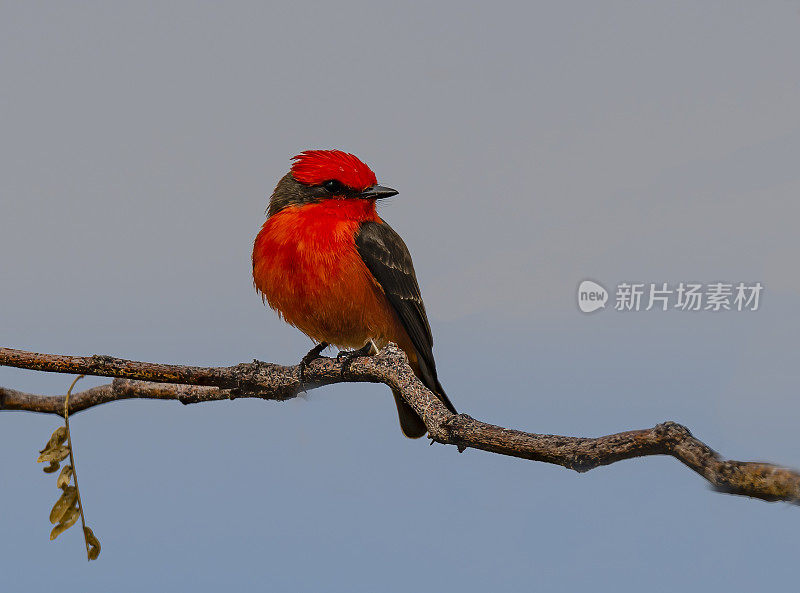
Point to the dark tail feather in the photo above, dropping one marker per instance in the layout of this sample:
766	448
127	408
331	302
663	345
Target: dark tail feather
410	422
439	391
427	374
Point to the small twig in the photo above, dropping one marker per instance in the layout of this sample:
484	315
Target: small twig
72	460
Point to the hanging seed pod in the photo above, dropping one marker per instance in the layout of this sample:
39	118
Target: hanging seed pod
68	508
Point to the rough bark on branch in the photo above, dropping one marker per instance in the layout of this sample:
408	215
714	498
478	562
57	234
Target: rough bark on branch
189	384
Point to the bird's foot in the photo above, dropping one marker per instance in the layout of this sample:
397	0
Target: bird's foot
313	354
346	357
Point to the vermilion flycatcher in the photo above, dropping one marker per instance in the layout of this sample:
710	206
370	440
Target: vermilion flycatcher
331	267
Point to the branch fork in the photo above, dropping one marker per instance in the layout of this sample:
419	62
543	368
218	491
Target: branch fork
191	385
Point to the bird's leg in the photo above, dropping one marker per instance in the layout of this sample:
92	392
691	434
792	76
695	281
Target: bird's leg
312	355
346	357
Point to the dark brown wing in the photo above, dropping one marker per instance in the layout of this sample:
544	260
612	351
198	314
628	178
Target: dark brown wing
387	257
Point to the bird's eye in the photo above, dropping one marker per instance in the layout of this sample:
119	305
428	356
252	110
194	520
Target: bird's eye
333	186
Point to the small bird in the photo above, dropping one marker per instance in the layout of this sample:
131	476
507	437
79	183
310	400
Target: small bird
332	268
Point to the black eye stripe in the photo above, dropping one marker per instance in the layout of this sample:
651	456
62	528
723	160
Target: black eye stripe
334	186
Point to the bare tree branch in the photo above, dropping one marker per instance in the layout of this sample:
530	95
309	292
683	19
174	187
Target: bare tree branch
189	384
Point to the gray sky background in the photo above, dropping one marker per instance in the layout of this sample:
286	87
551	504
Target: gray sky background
534	145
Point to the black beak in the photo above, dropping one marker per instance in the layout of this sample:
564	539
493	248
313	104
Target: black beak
376	192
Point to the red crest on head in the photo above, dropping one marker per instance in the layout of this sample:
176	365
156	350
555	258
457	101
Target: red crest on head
317	166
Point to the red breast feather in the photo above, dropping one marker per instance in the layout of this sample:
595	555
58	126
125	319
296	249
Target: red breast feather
307	268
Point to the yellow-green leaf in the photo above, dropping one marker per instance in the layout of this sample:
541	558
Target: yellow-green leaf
92	544
57	438
69	520
57	530
63	504
57	454
64	477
